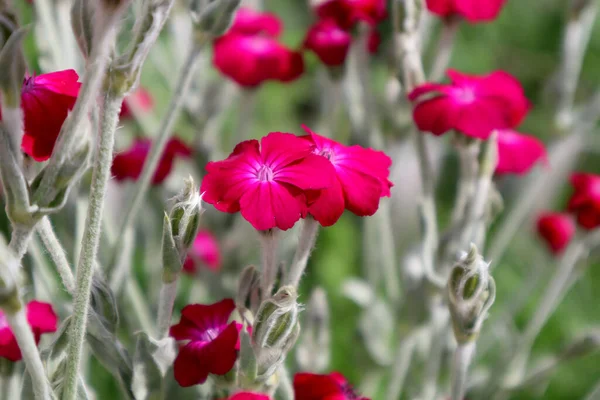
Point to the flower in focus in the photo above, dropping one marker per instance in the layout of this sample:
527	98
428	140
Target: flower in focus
250	54
249	396
473	105
267	182
142	100
585	201
203	252
334	386
518	153
129	163
329	42
212	342
41	319
556	229
347	13
472	10
46	101
361	180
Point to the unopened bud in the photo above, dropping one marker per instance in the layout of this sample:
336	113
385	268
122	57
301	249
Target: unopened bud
471	293
249	280
313	350
12	69
82	14
214	18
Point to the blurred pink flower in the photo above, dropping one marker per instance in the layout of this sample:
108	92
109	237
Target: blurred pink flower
585	201
249	396
334	386
129	163
41	319
473	105
329	42
250	22
141	98
518	153
267	182
373	41
204	252
210	343
361	180
472	10
347	13
557	229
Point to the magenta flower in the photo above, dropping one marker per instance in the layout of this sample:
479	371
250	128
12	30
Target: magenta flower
41	318
249	396
203	252
347	13
557	230
250	22
517	153
129	163
329	42
142	100
585	200
46	101
209	342
473	105
361	180
323	387
472	10
267	182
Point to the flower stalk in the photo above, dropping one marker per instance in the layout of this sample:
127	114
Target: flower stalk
306	242
57	253
463	356
269	241
444	49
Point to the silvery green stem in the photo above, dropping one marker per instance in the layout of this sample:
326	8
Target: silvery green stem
164	133
268	241
460	367
285	390
137	301
91	239
401	365
438	333
57	253
246	113
9	381
168	293
467	156
19	241
594	394
306	242
444	49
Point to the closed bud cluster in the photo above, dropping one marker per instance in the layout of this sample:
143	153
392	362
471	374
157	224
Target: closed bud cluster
471	292
275	330
213	19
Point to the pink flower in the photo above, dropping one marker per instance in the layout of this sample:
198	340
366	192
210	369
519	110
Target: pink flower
205	252
129	163
250	22
473	105
472	10
347	13
249	396
267	183
361	180
585	201
323	387
41	319
141	98
212	343
518	153
557	229
329	42
46	101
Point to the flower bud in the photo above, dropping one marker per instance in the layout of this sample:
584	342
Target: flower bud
471	293
213	18
275	330
82	14
249	280
12	70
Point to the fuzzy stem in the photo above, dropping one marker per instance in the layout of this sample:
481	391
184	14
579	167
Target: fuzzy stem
306	242
468	162
57	253
91	239
444	49
285	390
460	366
246	114
9	380
269	261
19	241
137	301
168	293
438	332
594	394
401	365
164	133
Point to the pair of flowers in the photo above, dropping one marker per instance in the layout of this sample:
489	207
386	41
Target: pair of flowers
283	178
210	344
557	229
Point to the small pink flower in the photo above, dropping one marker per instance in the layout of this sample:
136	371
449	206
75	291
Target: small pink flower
210	343
129	163
585	201
557	229
41	318
250	22
249	396
204	252
347	13
267	182
473	105
517	153
334	386
329	42
361	180
46	101
472	10
141	98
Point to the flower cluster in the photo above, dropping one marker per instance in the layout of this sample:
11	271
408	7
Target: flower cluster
476	106
557	229
41	319
46	100
250	54
283	178
129	163
473	11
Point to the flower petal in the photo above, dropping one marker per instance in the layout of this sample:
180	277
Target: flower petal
329	206
269	204
191	366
